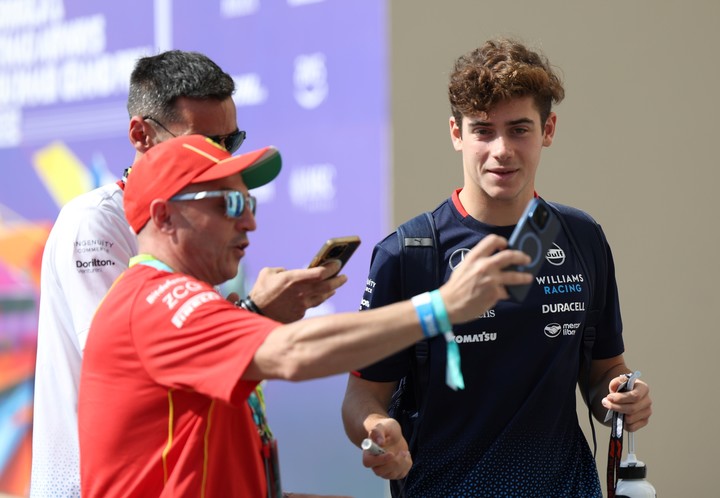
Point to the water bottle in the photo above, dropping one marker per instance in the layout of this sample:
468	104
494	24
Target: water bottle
632	482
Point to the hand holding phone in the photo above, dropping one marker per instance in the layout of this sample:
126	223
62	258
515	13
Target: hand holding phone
534	234
340	248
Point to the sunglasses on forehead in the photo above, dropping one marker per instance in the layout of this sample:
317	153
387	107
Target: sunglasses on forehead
231	141
235	201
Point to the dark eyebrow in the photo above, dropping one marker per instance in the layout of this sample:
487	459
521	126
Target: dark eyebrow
479	123
514	122
521	121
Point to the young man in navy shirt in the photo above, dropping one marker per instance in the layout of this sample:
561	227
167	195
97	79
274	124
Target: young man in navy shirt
513	430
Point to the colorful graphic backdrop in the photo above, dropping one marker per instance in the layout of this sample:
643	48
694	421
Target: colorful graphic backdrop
311	79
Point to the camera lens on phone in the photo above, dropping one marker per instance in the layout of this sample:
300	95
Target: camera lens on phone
336	251
540	217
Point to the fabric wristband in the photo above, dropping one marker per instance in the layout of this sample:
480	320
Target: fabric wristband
426	314
440	312
434	320
453	374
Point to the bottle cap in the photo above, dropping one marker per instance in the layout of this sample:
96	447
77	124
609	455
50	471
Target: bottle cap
633	471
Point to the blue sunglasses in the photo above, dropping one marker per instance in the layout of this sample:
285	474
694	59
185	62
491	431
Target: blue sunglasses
235	201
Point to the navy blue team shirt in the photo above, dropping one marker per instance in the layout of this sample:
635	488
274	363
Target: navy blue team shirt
513	430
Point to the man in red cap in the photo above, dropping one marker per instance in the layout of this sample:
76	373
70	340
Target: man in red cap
169	404
172	93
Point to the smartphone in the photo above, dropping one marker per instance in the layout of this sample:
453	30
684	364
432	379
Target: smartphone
534	235
340	248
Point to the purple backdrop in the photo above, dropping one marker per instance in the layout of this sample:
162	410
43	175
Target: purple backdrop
312	80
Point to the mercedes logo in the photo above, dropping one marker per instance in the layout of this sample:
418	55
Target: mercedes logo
458	257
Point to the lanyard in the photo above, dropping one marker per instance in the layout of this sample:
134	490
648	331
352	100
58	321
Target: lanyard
271	463
614	452
616	438
149	260
256	400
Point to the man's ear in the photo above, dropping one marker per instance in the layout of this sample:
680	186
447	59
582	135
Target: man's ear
456	133
160	215
141	134
549	130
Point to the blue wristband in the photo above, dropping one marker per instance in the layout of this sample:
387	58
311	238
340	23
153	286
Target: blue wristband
453	373
440	312
426	314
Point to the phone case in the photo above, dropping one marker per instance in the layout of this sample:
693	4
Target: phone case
534	235
340	248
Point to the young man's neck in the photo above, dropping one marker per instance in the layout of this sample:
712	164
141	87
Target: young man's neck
497	212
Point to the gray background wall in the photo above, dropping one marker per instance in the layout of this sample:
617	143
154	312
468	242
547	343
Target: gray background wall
635	147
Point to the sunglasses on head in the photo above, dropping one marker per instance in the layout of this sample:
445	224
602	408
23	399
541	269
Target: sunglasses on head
231	141
235	201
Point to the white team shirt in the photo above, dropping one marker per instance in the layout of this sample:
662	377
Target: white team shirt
89	246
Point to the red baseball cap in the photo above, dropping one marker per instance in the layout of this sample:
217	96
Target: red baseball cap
170	166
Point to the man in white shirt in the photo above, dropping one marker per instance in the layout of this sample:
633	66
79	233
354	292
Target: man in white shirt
173	93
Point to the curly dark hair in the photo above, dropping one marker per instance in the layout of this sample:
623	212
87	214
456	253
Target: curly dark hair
159	80
499	70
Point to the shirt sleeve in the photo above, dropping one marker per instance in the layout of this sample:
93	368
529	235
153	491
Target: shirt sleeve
91	247
383	287
609	341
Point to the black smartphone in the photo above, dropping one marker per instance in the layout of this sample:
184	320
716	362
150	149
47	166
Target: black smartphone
534	235
340	248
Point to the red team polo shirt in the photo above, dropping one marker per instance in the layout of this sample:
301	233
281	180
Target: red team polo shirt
162	407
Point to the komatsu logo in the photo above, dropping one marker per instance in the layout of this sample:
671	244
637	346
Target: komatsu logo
480	337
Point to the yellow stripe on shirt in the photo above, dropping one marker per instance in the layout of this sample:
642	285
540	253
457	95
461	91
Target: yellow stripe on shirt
168	446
